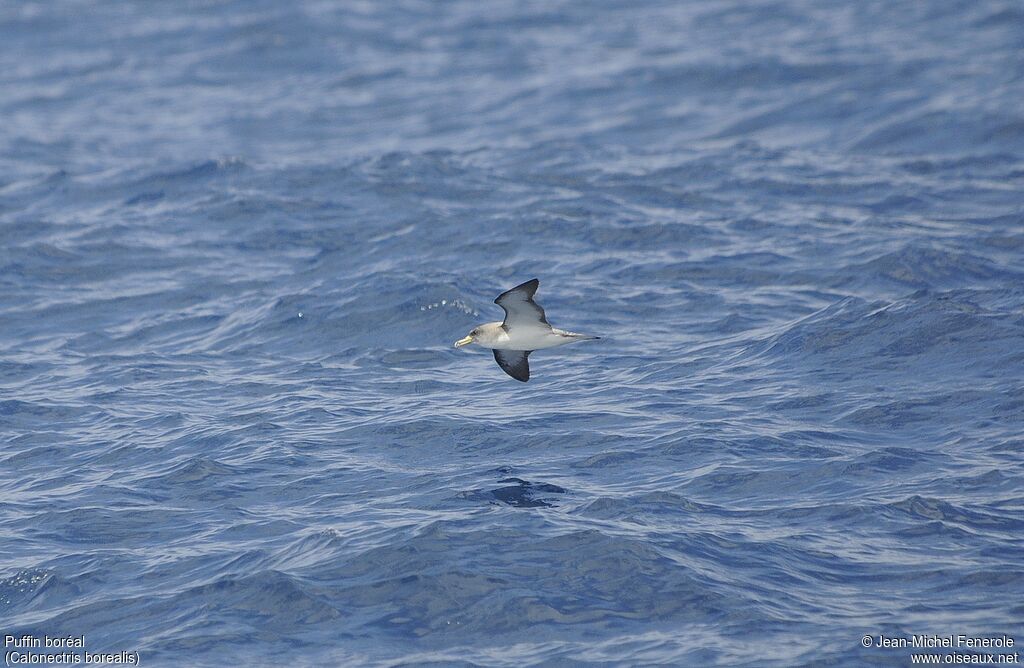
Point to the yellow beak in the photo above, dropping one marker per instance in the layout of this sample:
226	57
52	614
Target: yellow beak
464	342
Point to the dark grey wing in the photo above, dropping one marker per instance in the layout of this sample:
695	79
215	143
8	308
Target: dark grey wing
519	305
514	363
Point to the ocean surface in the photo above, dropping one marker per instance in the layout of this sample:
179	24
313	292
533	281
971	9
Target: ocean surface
238	239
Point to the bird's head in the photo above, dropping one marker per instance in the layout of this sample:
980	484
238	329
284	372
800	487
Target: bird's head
469	338
483	335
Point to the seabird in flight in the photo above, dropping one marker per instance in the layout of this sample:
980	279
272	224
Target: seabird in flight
524	330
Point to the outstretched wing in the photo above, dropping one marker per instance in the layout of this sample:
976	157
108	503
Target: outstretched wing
514	363
520	309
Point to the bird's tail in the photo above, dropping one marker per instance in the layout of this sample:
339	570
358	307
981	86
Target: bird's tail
581	337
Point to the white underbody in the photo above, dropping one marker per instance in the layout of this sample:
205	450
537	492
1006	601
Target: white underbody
528	338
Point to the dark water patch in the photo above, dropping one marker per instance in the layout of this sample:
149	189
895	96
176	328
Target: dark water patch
517	493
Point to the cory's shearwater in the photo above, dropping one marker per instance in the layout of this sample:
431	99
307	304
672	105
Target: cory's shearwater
524	330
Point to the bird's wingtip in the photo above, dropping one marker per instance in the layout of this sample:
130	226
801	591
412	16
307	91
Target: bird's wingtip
531	285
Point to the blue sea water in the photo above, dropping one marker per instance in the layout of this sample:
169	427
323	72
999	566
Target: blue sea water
237	241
